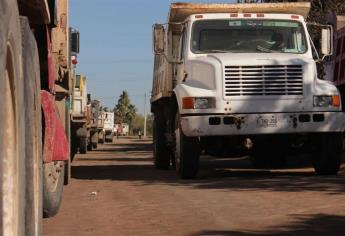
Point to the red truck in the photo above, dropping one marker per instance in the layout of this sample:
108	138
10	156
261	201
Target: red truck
339	68
35	85
335	66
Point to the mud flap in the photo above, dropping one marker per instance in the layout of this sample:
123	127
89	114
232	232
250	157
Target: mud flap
56	146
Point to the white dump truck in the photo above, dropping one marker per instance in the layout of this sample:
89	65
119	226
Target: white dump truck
234	79
80	116
106	121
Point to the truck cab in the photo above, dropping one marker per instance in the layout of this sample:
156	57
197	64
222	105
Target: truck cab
244	80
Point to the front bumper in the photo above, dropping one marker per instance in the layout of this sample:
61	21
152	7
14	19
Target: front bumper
268	123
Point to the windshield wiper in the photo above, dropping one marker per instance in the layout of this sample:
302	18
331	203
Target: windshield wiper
262	49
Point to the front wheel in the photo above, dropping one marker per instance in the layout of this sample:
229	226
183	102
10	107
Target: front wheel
187	152
83	145
327	153
101	137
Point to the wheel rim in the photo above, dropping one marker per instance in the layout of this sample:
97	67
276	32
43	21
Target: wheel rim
10	167
52	174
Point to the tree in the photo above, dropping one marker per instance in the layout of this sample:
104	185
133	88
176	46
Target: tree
124	110
138	124
105	109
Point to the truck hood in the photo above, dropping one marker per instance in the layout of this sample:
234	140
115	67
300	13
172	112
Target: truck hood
249	59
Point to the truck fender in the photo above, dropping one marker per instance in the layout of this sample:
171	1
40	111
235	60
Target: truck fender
184	90
56	146
179	92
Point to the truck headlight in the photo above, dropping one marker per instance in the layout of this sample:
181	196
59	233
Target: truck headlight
198	102
327	101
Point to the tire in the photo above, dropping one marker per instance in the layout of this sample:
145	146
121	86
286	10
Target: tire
67	177
101	137
53	182
89	146
12	123
83	145
161	152
327	153
33	132
74	143
94	140
109	138
187	152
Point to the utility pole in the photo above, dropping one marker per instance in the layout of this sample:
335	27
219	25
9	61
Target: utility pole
145	118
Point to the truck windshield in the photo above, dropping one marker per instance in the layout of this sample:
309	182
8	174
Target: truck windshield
267	36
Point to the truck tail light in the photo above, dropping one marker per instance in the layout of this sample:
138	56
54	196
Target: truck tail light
295	17
247	15
260	15
233	15
199	16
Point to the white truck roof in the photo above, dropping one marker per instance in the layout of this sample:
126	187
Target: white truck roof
180	11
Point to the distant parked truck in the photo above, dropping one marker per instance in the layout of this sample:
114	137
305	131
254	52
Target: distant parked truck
108	126
121	129
243	76
94	125
335	69
80	116
100	127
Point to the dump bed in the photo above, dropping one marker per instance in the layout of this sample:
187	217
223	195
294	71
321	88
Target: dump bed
180	11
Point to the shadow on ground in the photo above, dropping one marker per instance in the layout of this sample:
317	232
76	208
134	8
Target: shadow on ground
120	147
227	174
316	225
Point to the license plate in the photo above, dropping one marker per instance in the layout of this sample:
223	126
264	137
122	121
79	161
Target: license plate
267	121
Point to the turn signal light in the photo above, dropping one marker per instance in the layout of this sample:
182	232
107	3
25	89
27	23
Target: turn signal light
188	103
336	101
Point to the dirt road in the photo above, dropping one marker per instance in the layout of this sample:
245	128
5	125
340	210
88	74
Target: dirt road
116	191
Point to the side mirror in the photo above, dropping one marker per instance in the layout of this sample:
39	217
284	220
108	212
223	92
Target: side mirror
75	35
326	41
158	38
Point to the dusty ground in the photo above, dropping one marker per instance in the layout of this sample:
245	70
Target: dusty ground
116	191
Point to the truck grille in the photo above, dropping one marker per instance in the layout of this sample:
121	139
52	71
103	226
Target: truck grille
272	80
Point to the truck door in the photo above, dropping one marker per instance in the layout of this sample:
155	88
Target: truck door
180	73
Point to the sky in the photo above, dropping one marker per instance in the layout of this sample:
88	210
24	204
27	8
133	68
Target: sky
116	46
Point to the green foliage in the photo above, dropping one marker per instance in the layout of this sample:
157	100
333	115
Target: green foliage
101	108
138	124
124	111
